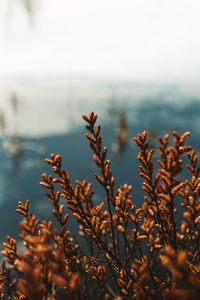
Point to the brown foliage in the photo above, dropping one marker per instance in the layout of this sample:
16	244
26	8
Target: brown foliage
133	253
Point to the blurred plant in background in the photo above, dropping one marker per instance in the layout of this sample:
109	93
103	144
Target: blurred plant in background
29	7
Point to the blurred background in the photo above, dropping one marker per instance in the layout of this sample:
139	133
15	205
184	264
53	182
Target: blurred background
136	63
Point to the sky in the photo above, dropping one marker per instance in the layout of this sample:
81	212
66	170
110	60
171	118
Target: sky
153	40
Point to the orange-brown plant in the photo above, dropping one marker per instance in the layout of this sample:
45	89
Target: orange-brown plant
147	252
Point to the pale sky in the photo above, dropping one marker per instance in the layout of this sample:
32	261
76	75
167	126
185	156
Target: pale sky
117	39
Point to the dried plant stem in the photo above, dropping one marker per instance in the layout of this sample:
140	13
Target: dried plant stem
131	253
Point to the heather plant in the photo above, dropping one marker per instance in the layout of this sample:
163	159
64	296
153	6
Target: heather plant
146	252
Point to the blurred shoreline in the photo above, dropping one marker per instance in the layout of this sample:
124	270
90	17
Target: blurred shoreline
38	106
